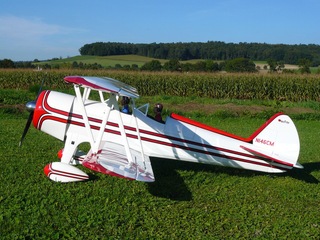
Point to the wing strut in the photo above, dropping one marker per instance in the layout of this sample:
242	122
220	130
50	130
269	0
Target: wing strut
95	143
112	102
121	127
109	104
139	138
84	113
86	93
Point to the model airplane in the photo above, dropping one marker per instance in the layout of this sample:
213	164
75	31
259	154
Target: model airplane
122	144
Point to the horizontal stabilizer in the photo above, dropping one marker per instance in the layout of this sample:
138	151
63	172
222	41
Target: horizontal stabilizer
298	165
266	156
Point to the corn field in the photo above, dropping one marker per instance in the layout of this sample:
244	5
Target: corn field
290	87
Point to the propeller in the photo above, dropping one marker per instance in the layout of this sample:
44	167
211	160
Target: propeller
30	106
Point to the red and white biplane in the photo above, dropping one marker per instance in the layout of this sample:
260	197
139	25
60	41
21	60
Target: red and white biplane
122	144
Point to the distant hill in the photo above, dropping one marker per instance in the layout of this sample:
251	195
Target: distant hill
290	54
104	61
123	60
108	61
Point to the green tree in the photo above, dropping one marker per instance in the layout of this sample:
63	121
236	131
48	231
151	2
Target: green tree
154	65
240	65
6	63
134	67
272	65
304	65
127	67
118	66
212	66
172	65
186	67
275	66
200	66
75	64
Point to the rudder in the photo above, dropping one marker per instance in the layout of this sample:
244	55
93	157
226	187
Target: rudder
279	139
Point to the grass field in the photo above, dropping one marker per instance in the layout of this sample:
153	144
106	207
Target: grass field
187	201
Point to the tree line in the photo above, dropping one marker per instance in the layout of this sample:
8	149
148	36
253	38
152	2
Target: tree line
219	51
233	65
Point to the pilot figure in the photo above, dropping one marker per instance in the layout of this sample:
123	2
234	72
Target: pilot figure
125	104
157	111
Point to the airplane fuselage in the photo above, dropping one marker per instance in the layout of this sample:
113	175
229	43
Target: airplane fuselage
59	115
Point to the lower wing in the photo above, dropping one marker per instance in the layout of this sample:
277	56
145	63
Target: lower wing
111	159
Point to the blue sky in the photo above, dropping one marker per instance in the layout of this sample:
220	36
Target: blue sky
40	29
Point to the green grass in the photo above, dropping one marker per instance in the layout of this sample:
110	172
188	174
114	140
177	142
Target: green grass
187	201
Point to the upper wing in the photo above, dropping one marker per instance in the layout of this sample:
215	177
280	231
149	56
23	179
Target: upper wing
104	84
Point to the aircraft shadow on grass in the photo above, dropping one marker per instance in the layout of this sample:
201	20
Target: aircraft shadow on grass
169	184
305	174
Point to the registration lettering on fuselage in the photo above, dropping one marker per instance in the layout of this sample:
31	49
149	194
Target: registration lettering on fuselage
264	141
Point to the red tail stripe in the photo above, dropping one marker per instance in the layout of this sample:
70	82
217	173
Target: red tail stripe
212	129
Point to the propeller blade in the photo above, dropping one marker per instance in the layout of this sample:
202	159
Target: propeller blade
26	128
30	107
40	89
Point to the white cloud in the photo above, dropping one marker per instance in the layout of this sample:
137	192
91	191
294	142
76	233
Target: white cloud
26	39
13	27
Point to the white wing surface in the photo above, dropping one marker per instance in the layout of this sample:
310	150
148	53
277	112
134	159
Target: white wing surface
112	160
104	84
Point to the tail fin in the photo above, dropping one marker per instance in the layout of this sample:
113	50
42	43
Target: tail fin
278	140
